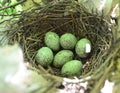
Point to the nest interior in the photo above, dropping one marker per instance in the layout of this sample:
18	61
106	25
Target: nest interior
62	17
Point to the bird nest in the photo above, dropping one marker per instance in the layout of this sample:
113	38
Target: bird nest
61	17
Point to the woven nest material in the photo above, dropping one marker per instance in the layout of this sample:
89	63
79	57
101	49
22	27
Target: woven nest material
62	17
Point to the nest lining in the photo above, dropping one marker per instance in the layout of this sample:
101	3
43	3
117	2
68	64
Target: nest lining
32	26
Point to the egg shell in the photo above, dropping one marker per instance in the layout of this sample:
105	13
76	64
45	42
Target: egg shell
83	47
62	57
52	41
68	41
44	56
71	68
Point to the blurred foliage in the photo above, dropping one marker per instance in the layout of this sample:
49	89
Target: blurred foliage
15	77
99	6
10	10
10	57
31	4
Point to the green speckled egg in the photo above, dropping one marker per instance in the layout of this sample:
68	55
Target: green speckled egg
71	68
44	56
62	57
83	47
52	41
68	41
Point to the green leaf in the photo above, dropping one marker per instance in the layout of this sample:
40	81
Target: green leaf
11	11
